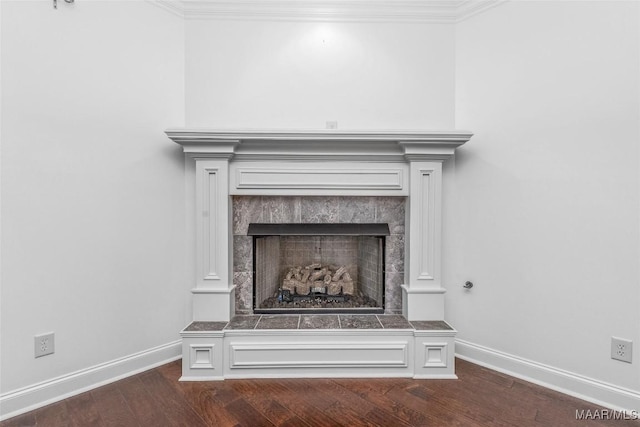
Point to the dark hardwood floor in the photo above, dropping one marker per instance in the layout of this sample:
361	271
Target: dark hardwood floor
480	397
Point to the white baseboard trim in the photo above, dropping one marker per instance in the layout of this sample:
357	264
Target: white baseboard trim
591	390
26	399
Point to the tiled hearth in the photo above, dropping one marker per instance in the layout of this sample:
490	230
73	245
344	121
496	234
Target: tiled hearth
320	321
324	345
275	177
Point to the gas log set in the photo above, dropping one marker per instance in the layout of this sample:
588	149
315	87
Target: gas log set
318	279
318	286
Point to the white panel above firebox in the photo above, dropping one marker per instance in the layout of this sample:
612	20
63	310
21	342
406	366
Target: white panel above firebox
327	178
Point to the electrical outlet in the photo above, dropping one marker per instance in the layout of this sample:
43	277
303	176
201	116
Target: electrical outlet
332	125
621	349
44	344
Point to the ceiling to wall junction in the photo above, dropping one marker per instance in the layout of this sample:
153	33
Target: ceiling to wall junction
433	11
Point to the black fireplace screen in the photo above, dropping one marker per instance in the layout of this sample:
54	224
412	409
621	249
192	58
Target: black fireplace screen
337	268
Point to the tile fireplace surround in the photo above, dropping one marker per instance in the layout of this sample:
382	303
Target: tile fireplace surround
365	173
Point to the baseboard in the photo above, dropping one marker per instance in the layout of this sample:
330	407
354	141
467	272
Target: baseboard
594	391
35	396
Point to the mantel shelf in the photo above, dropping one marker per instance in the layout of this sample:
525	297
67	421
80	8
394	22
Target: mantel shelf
319	143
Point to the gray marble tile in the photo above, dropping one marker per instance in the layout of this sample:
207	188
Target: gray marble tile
359	321
246	209
393	292
278	321
243	322
205	326
394	321
319	209
280	209
319	321
242	253
356	209
244	291
392	211
394	253
431	325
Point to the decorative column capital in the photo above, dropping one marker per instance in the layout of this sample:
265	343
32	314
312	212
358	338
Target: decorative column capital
436	146
198	143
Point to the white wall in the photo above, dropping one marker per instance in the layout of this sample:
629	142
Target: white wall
93	208
544	218
287	74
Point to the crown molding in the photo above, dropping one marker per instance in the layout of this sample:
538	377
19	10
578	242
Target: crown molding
175	7
468	8
423	11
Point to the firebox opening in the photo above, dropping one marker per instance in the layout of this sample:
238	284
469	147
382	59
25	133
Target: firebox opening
319	268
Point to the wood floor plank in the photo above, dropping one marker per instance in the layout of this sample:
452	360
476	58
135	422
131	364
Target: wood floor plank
435	413
270	408
482	407
304	387
23	420
247	414
53	415
350	416
143	404
171	371
203	397
302	403
370	391
112	407
480	397
380	417
176	410
294	422
208	408
346	397
465	369
83	411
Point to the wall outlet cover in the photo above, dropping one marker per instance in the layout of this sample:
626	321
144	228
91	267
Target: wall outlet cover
44	344
621	349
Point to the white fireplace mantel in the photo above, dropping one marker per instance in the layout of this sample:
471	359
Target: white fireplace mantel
330	162
383	145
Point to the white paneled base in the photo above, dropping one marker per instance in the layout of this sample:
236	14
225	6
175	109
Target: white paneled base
434	353
202	356
422	304
213	304
317	353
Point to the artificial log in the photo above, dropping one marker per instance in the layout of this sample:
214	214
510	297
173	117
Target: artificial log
315	277
339	273
305	275
347	286
334	288
317	274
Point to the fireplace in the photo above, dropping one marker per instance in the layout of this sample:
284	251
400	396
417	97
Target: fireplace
319	268
244	177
